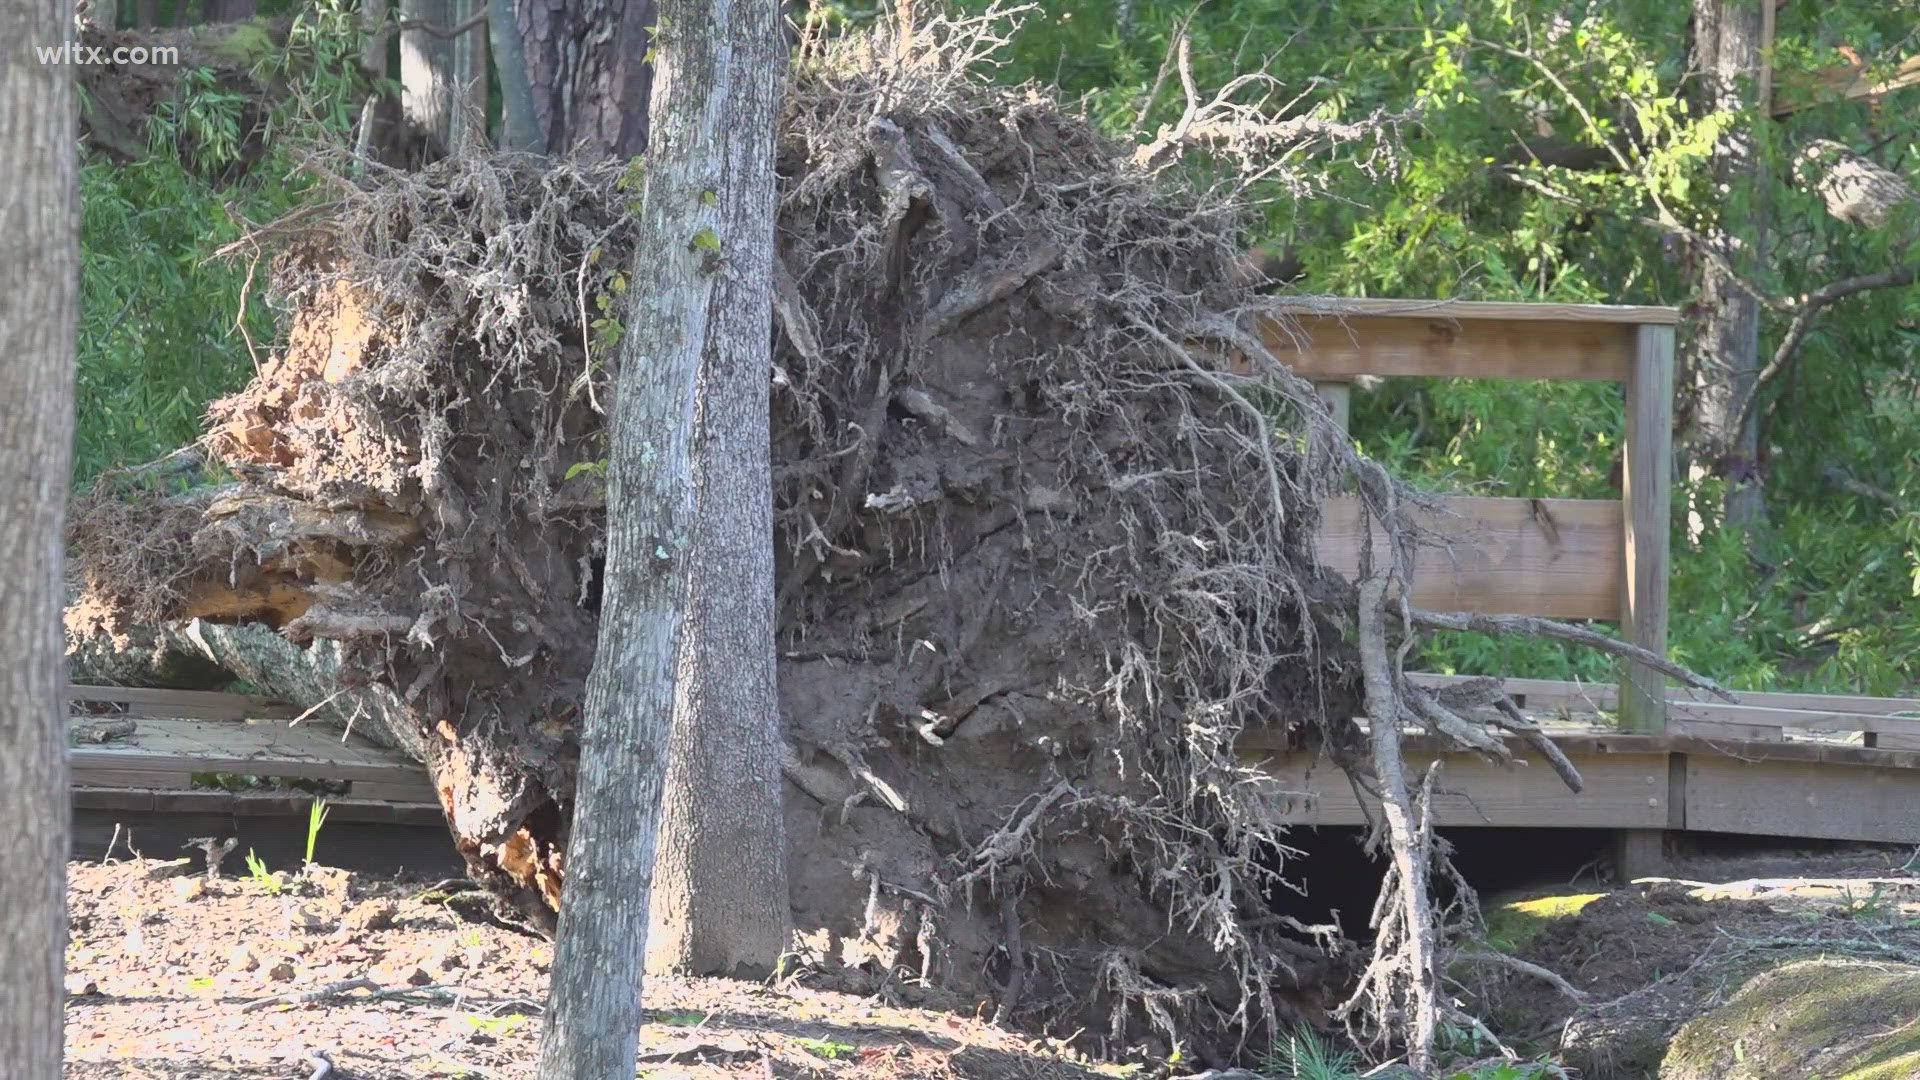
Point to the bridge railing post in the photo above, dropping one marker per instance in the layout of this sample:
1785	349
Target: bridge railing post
1647	491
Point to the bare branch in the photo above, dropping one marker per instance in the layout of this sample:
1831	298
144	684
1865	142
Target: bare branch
1579	635
471	22
1814	303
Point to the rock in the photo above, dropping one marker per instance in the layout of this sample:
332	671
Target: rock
311	918
281	972
371	915
81	986
419	977
1841	1019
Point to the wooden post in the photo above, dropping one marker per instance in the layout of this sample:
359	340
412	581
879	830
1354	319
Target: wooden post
1647	491
1339	397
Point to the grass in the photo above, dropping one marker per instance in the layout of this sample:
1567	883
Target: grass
823	1048
258	874
1304	1054
316	817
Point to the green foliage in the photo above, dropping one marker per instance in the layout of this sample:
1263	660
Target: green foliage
258	873
1509	1070
823	1048
165	325
1555	151
1304	1054
316	817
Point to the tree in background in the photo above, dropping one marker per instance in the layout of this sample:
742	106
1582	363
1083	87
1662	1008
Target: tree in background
588	72
39	235
1575	151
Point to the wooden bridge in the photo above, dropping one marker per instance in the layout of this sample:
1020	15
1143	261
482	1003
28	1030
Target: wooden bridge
1654	760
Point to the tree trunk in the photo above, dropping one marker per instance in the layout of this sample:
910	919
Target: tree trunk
1726	345
586	63
39	271
721	903
519	126
700	329
426	73
468	125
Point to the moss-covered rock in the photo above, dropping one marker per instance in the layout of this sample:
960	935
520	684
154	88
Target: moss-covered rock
1511	923
1832	1019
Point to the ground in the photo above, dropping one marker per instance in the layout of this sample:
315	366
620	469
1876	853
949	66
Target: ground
174	976
1648	957
168	973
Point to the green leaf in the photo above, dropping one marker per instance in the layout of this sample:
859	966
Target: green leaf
706	240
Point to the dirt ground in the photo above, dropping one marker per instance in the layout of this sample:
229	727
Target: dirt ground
1647	957
174	977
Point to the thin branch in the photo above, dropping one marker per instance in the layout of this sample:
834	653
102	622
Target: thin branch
1579	635
1812	305
471	22
1500	959
1180	40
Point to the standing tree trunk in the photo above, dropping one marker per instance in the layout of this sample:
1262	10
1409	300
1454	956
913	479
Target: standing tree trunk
1725	357
426	73
586	65
39	273
467	131
721	904
698	349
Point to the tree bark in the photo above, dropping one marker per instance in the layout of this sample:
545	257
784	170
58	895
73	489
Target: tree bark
1726	345
467	131
700	328
586	65
720	905
39	272
426	73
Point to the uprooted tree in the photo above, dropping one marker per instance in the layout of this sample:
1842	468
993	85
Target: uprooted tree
1044	508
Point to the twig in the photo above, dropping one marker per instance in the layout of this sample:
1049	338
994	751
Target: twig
1181	40
1815	302
317	706
1537	627
322	1065
471	22
1500	959
217	851
325	993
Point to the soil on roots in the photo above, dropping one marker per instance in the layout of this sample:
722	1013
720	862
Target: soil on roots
1041	555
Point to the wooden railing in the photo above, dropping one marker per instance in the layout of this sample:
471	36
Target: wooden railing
1563	558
